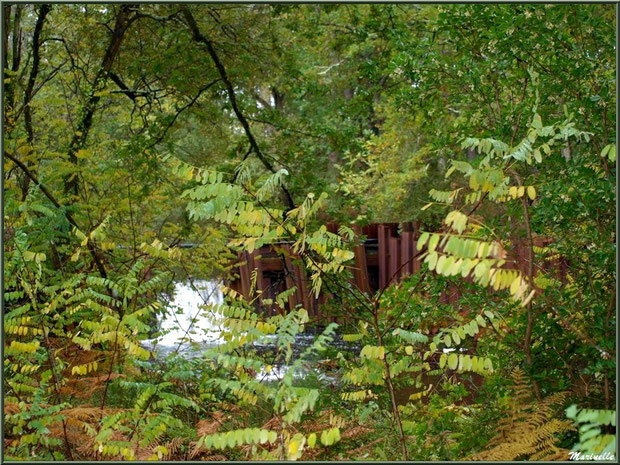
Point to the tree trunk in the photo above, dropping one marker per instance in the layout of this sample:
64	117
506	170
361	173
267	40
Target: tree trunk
88	110
28	93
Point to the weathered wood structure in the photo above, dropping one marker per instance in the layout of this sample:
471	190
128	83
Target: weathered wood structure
377	263
387	256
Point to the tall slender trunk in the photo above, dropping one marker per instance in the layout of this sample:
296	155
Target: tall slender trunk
28	93
16	49
390	386
85	122
527	343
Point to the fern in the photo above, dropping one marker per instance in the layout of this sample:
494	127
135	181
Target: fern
531	431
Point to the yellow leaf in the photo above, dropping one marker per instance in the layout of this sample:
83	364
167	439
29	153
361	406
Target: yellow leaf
81	154
528	298
531	192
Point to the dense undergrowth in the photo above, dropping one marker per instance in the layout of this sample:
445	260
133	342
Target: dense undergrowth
120	152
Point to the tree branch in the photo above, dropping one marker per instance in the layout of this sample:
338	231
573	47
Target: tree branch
52	199
199	38
78	141
121	85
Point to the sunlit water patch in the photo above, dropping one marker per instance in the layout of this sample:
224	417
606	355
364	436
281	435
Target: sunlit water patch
188	327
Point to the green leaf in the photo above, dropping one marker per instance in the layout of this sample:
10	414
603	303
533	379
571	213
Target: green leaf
431	259
422	240
453	361
352	337
432	244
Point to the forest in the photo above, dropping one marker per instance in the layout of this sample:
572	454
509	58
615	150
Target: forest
311	232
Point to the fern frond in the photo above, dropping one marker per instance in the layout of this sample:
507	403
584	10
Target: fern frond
530	432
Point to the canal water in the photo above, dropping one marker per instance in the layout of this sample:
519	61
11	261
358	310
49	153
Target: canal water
188	328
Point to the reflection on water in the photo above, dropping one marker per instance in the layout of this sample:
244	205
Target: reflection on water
186	321
189	328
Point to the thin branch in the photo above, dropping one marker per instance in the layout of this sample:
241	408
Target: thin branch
121	85
527	343
199	38
78	141
178	113
52	199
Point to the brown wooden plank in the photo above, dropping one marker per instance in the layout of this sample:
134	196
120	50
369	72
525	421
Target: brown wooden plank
235	285
383	237
271	263
291	280
306	299
412	251
417	264
394	260
370	231
261	283
255	265
244	273
258	263
406	253
360	267
301	297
